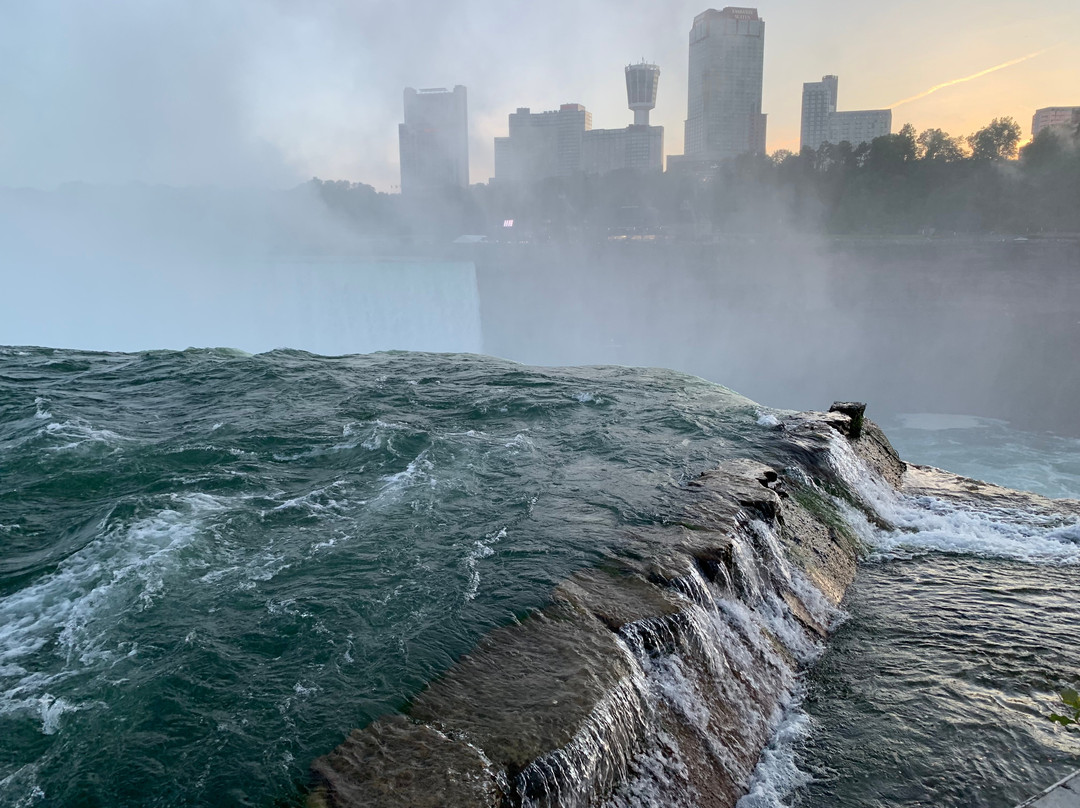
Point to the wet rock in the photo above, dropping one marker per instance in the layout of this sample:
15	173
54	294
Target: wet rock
854	410
934	482
662	672
396	762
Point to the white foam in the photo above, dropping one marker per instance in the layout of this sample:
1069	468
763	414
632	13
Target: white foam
51	710
316	501
767	419
381	433
20	789
41	408
77	432
777	776
74	607
658	778
417	472
926	523
481	549
520	442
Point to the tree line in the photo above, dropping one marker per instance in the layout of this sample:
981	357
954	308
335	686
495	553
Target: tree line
909	183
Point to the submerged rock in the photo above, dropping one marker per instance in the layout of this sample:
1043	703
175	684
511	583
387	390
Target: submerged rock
660	676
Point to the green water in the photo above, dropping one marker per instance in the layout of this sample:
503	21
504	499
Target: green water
215	565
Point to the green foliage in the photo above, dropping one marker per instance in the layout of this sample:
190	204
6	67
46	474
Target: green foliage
995	141
1071	699
936	145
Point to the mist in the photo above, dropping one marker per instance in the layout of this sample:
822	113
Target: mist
155	164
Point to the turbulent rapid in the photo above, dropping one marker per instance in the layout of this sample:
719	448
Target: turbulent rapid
216	565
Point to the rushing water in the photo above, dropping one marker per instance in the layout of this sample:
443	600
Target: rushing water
215	565
937	689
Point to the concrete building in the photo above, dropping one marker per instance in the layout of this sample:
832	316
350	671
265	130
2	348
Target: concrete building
723	111
818	103
822	123
542	144
859	126
433	142
1054	116
642	83
638	147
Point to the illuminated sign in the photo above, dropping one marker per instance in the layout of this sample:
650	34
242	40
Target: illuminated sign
508	222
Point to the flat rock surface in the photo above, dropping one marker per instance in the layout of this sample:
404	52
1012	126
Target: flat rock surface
934	482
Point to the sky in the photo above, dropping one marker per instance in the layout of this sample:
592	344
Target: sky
273	92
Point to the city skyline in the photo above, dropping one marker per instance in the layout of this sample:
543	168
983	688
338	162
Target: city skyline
271	94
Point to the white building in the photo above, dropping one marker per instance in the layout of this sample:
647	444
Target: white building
434	140
1054	116
542	144
637	147
822	123
860	126
723	111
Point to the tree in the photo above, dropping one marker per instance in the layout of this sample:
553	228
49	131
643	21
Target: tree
1045	149
909	150
781	156
889	153
996	141
936	145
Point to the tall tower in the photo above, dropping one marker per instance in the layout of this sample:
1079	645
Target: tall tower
818	103
723	114
642	81
434	140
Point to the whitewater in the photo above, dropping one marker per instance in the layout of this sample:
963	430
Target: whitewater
215	565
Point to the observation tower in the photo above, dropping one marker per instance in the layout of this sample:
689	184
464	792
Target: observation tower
641	82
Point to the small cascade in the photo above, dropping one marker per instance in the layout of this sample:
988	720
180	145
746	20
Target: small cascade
600	753
719	674
664	675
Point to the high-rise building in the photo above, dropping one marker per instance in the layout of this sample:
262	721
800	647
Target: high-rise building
723	114
818	103
822	123
434	140
639	147
1054	116
542	144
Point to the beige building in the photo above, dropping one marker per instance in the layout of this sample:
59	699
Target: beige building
1054	116
859	126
